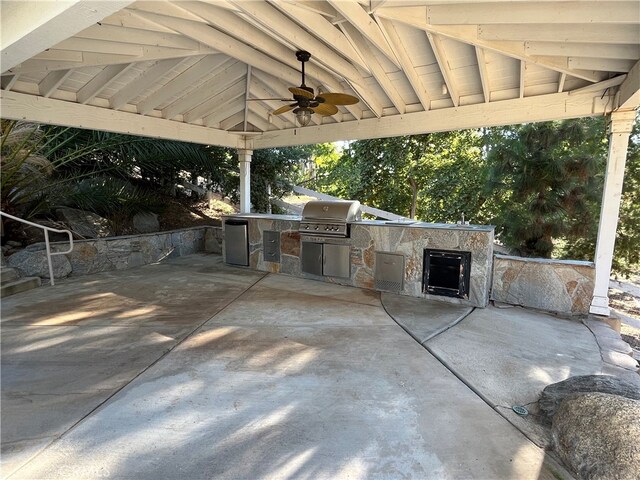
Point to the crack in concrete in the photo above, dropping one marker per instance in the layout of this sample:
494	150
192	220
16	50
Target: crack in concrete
118	390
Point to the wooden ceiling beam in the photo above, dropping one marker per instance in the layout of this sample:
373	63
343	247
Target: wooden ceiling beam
101	59
101	81
360	44
561	80
217	101
279	23
400	51
601	64
180	83
233	120
33	29
52	81
416	17
533	12
555	106
221	78
272	45
438	51
18	106
484	74
8	81
523	72
629	91
111	33
227	45
588	50
360	19
144	81
580	33
324	30
225	111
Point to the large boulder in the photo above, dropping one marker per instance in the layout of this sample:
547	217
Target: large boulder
146	222
31	263
553	395
85	224
597	435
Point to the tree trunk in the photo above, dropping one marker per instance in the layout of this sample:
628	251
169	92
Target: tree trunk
414	197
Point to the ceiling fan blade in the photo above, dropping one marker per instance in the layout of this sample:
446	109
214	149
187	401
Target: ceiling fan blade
284	109
301	91
339	98
325	109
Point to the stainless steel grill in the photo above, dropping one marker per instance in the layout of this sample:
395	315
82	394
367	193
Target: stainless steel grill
329	218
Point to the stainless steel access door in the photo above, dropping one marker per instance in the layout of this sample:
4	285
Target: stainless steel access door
236	242
336	261
312	258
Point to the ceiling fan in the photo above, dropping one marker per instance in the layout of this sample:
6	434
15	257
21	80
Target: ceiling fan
307	103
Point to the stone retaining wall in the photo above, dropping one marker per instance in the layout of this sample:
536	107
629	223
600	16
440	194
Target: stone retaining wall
562	286
118	253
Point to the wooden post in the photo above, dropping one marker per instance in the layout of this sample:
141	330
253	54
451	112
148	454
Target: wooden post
620	125
244	160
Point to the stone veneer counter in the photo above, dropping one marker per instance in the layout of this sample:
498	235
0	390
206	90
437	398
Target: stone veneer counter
371	236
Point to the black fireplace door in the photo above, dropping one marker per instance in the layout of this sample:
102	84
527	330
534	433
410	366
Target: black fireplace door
446	272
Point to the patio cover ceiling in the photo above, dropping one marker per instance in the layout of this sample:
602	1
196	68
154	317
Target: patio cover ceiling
185	69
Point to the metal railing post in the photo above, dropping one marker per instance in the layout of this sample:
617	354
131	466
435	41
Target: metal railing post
46	241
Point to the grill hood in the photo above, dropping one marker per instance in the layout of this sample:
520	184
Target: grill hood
335	211
322	217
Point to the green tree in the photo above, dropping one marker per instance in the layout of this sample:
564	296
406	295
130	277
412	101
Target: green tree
545	179
435	177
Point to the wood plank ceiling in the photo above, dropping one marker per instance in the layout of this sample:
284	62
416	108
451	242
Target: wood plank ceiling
202	62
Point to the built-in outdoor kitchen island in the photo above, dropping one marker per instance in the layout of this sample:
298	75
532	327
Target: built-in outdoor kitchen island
449	262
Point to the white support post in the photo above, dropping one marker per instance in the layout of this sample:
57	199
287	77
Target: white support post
244	160
620	125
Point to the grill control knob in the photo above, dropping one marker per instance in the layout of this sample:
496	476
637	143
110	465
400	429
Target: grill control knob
306	227
316	227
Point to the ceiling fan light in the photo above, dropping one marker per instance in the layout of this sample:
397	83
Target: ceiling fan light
304	116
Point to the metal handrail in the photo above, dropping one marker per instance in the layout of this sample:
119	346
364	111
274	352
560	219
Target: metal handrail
46	240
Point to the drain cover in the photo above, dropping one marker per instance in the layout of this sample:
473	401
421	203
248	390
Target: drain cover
520	410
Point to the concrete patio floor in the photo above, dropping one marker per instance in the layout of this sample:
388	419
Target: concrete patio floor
193	369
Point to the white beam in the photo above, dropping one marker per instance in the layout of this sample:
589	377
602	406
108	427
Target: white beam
600	86
18	106
216	102
221	78
416	17
409	69
484	75
263	112
180	83
8	81
586	33
589	50
227	45
360	44
278	23
523	71
620	127
233	120
540	108
144	81
367	26
52	81
629	91
137	36
441	58
101	81
244	162
230	108
247	83
561	80
601	64
29	27
533	12
226	21
324	30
